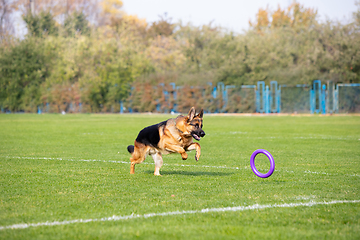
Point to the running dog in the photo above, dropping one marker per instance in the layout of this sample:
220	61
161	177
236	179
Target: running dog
174	135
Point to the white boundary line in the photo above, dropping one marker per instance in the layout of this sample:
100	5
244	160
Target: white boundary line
164	214
122	162
174	164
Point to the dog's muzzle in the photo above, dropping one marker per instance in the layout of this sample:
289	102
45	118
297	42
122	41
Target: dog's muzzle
198	135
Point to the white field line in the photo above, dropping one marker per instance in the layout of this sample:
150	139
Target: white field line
164	214
174	164
122	162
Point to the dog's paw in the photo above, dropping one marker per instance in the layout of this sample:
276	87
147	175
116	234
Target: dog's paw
197	156
184	156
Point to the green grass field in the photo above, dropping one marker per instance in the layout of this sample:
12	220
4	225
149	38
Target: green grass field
67	177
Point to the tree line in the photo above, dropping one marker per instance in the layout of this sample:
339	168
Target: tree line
89	56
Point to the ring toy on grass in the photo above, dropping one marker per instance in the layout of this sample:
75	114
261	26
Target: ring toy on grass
271	159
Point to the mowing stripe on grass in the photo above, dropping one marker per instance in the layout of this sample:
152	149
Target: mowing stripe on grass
164	214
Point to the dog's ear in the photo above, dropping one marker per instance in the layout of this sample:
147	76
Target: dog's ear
201	113
191	114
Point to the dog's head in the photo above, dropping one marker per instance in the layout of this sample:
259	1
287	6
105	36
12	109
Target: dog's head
194	124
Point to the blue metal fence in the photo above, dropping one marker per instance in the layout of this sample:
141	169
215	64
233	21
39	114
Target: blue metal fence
303	98
278	98
320	98
346	98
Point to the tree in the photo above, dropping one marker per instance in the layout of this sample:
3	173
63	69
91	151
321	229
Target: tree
131	26
163	27
280	18
110	11
262	20
356	14
76	23
23	68
61	9
295	16
7	8
42	24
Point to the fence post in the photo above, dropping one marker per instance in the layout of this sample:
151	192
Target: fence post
274	97
173	109
221	89
312	101
257	100
267	100
335	98
323	99
317	95
260	96
279	99
121	107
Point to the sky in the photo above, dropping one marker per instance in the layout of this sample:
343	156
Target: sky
233	15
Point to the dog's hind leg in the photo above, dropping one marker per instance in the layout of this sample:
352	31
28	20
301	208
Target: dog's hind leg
135	161
158	163
138	156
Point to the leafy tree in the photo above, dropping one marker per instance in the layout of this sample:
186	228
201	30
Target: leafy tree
163	27
76	23
262	20
356	14
61	8
42	24
110	11
7	8
295	16
23	68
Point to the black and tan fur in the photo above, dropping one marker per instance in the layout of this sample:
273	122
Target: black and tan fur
171	136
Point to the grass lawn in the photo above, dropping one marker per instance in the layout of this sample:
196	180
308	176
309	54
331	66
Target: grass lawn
67	177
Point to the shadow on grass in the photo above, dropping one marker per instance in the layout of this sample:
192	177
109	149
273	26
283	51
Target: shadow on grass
190	173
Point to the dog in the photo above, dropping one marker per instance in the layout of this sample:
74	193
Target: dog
174	135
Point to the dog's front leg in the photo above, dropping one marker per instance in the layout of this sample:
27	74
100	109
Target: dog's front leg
178	149
195	146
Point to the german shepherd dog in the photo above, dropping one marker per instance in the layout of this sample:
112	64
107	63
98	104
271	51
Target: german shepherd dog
174	135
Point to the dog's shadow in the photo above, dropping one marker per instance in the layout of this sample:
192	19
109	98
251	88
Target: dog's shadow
179	172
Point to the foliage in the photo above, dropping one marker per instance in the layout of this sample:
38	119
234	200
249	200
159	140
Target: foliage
295	16
163	27
40	25
76	23
101	53
7	8
23	68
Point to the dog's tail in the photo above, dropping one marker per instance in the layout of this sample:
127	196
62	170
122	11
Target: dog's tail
130	148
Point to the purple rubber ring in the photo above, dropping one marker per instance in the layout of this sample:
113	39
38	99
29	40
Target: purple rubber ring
271	159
